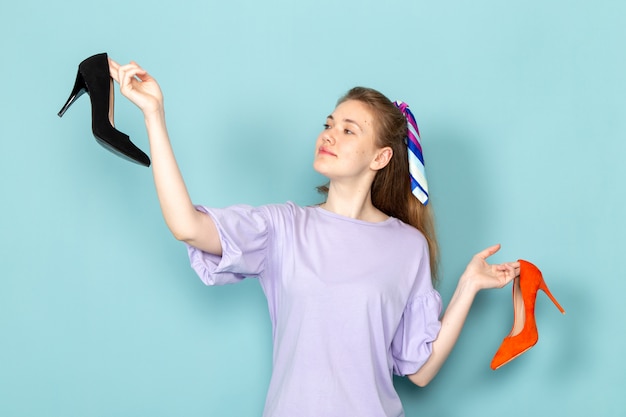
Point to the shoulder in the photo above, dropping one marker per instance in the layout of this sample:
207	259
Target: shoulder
282	210
408	232
285	215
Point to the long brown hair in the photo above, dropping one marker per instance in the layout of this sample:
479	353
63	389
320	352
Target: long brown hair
391	188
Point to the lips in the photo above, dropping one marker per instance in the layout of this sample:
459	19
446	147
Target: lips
323	151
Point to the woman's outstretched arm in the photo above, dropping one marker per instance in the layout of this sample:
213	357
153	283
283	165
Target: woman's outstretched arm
478	275
184	221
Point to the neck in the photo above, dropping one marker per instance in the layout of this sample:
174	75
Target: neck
353	202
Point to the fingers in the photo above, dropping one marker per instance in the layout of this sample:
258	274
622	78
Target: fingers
511	268
508	265
507	272
137	85
114	69
118	72
485	253
124	74
515	266
130	76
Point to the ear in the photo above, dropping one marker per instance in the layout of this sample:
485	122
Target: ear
382	158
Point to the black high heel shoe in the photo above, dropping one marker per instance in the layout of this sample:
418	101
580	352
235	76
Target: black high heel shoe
94	79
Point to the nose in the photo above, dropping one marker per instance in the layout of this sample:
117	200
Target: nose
327	137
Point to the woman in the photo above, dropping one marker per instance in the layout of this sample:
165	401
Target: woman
348	282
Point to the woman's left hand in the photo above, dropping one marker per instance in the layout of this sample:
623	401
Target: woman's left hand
484	275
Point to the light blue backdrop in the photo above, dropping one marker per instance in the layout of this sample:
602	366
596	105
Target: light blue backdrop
522	109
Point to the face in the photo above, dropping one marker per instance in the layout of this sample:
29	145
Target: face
346	148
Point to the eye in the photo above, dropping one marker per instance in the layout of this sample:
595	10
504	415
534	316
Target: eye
348	132
326	126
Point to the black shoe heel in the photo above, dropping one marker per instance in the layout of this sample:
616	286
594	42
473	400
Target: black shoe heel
79	89
94	79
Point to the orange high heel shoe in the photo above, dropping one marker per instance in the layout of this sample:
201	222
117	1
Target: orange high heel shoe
519	341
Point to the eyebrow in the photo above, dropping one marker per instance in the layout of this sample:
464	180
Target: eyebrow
330	116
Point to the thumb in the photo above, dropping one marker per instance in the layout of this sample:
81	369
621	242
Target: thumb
485	253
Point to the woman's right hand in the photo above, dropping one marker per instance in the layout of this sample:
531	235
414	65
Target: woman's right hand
182	218
138	86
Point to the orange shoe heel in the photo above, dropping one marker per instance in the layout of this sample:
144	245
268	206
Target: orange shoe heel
525	288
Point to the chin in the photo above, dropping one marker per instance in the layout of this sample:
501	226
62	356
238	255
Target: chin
317	166
321	168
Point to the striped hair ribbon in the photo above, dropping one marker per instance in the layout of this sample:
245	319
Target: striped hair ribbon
419	187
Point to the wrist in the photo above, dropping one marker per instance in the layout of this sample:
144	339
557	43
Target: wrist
154	117
468	285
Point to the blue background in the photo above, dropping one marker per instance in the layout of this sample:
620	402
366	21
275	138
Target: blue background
521	105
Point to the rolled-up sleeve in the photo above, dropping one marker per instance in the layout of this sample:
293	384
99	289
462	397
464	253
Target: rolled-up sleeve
419	327
243	232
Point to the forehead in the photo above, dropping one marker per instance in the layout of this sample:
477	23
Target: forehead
354	110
